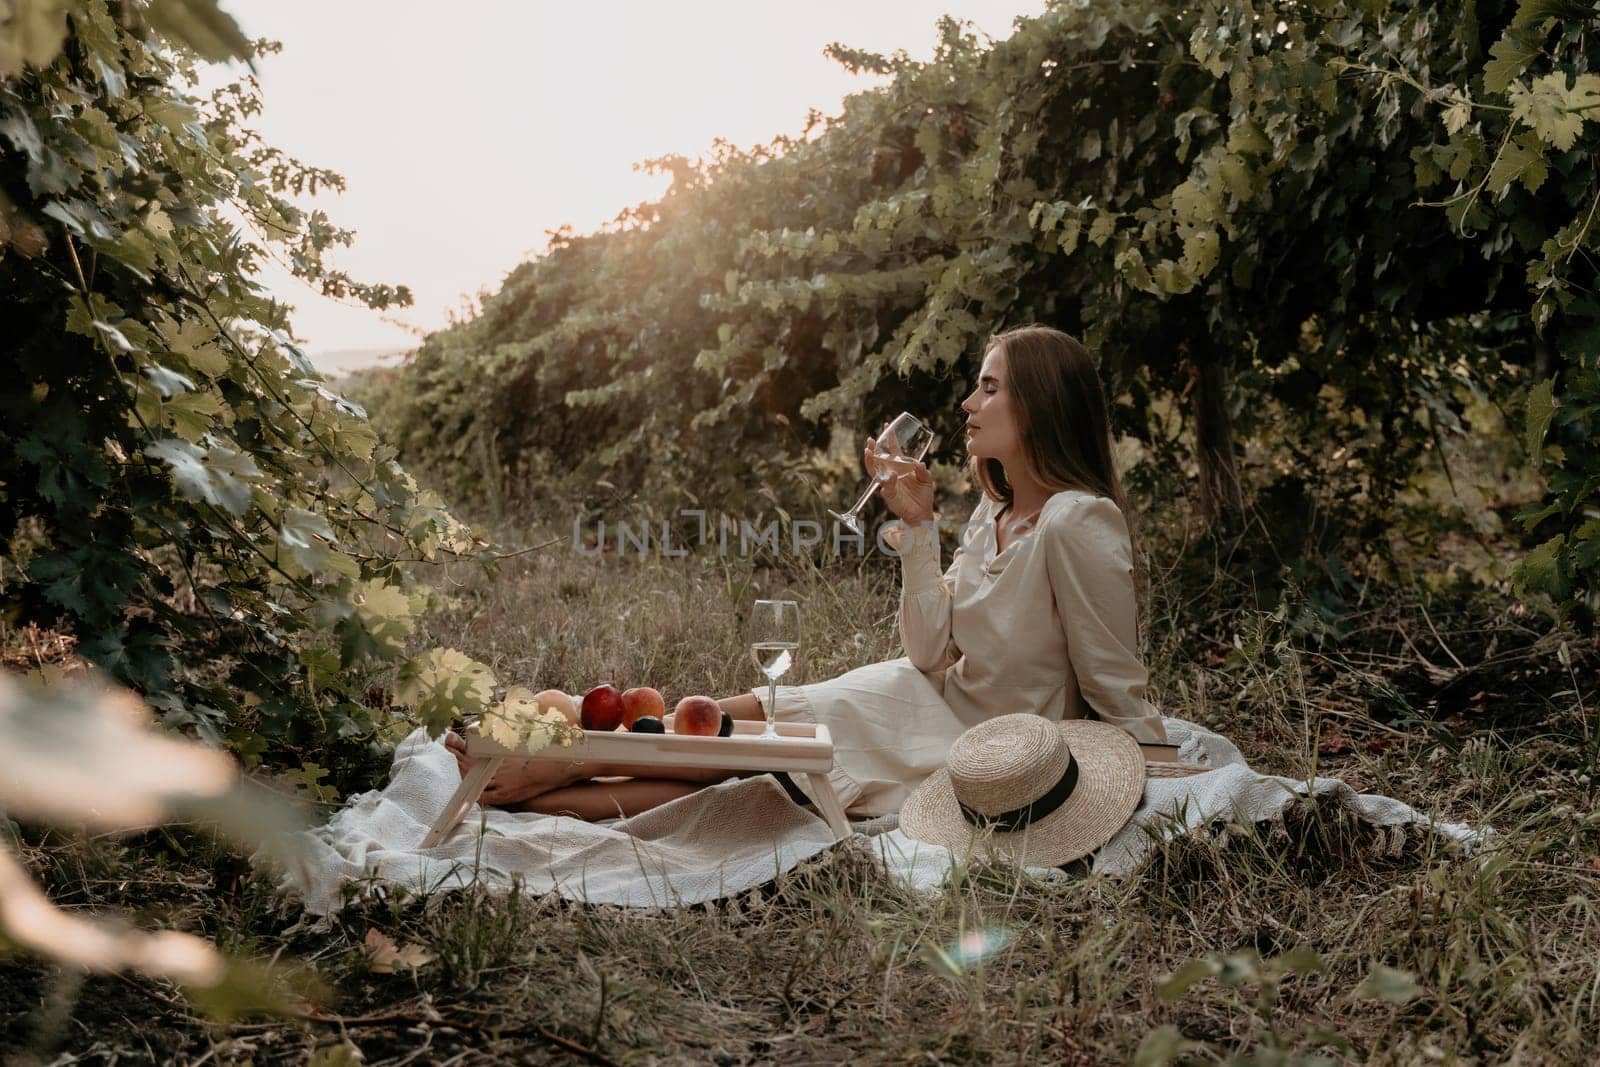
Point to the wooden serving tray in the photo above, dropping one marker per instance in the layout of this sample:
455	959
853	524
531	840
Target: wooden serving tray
799	748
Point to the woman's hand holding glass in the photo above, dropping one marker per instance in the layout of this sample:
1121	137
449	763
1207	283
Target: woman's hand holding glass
904	440
907	487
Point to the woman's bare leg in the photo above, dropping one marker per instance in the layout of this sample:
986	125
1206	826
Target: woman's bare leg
608	800
743	706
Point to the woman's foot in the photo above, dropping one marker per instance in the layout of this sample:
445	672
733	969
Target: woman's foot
516	780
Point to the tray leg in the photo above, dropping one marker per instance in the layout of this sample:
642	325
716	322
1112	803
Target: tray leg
461	801
828	804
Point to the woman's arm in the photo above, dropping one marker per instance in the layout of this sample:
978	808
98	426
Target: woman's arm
1090	563
926	598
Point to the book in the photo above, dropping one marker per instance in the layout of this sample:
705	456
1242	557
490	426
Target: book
1159	753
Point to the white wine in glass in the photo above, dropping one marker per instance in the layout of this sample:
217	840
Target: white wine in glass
904	439
775	646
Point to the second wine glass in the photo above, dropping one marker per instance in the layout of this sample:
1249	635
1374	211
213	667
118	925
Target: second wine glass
775	646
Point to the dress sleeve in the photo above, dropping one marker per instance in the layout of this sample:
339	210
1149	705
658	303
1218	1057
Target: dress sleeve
926	599
1089	559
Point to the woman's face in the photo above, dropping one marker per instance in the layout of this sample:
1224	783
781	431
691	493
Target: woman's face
992	431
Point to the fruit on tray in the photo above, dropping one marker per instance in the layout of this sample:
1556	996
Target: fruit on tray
555	698
639	702
602	708
727	725
697	715
648	724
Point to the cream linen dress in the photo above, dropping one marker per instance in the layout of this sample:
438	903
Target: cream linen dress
1045	626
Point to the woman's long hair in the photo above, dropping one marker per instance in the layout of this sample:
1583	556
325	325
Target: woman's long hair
1060	408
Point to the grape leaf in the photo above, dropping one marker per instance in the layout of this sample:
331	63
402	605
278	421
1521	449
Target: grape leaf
308	538
200	475
1539	409
196	345
193	415
519	723
1532	12
1518	160
1172	277
1552	108
1201	249
1193	204
383	617
442	684
1512	54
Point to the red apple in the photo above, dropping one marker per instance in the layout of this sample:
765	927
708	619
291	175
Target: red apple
602	708
701	716
639	702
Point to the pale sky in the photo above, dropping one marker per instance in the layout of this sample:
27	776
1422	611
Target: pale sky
466	130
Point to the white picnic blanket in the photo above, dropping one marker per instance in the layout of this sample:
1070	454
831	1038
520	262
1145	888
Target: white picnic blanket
727	838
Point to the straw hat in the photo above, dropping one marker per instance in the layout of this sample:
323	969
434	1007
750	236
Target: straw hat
1045	793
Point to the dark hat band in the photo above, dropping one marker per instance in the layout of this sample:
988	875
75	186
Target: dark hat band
1017	818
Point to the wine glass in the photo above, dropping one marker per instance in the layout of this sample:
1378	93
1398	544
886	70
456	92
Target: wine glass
775	645
905	438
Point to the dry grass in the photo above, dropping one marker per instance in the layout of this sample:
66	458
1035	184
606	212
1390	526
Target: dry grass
1314	941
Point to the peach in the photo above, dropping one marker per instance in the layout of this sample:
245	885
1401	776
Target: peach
602	708
555	698
697	715
639	702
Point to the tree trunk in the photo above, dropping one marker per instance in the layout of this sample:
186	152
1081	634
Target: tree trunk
1220	494
492	475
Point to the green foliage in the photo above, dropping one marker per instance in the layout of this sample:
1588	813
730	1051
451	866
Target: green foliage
1521	154
1186	186
180	488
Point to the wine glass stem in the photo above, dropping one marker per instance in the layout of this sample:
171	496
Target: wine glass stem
772	707
855	511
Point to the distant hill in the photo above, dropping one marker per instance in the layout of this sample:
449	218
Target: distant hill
344	360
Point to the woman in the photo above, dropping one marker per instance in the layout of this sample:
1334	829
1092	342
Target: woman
1036	612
